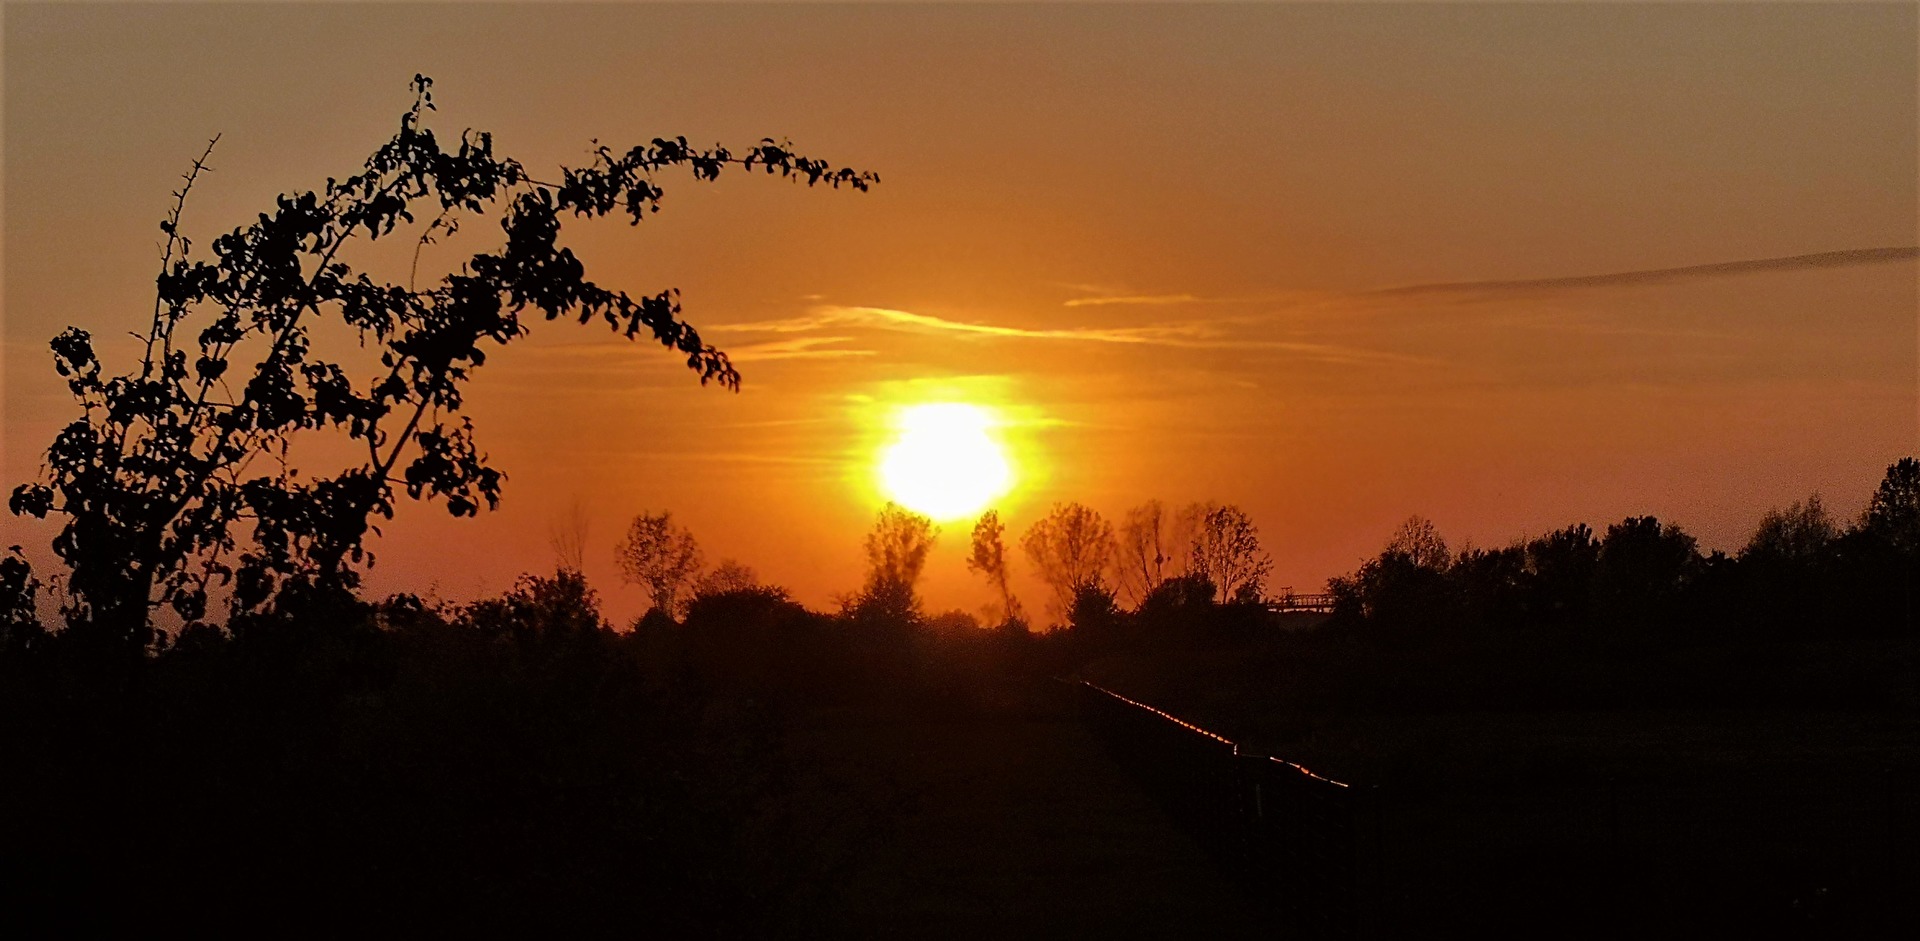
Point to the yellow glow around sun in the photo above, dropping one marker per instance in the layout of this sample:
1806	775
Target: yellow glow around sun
945	462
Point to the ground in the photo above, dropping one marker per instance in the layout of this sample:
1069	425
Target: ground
1009	822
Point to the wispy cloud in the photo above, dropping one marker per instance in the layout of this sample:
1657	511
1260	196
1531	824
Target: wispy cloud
1134	299
1840	259
1194	335
796	348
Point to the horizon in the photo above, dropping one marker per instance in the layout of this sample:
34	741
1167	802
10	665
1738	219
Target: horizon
1531	266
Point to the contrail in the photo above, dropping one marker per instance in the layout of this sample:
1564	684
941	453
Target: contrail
1840	259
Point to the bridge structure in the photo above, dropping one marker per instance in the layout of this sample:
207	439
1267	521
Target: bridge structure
1288	600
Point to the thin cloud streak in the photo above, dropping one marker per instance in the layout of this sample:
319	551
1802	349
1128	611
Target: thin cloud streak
1839	259
1196	335
796	348
1139	299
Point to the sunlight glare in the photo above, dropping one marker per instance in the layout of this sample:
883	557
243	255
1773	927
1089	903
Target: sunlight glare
945	462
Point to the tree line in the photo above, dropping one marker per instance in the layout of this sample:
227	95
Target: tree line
1801	572
1208	549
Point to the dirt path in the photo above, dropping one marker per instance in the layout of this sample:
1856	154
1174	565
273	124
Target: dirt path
1013	825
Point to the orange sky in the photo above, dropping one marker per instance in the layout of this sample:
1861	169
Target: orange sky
1162	238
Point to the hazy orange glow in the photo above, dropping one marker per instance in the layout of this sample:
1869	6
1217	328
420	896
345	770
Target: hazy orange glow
1336	264
944	461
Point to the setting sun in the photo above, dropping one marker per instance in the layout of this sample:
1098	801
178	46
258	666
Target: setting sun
945	462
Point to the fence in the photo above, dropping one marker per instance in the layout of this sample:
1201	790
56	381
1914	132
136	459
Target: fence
1287	600
1290	834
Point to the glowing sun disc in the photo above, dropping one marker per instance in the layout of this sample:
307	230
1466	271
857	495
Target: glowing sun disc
945	463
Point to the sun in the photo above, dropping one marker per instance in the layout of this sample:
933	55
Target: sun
945	463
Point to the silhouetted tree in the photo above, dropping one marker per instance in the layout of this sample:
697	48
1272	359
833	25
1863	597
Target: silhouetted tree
758	640
727	577
989	558
1893	515
1420	541
1784	580
1560	569
1405	587
659	556
1881	556
1799	533
1071	549
953	622
1180	607
897	551
1643	565
1145	551
541	607
1492	585
567	537
160	479
20	627
1226	551
1393	592
1095	614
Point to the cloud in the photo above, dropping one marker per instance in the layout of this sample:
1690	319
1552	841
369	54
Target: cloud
1142	299
1839	259
1193	335
796	348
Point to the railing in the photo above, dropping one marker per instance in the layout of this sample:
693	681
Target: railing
1287	832
1288	601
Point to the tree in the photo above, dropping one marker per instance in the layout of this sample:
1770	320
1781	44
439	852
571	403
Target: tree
538	608
1404	588
1799	533
1094	614
729	577
1419	540
19	601
1393	593
1070	549
659	556
160	479
1893	515
1491	585
567	537
1226	551
1180	606
897	551
1144	550
1560	571
989	558
1643	564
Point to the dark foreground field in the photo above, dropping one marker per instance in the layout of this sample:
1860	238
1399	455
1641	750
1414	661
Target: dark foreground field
1747	820
772	772
1006	822
425	777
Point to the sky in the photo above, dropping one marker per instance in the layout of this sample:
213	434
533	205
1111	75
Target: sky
1508	267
